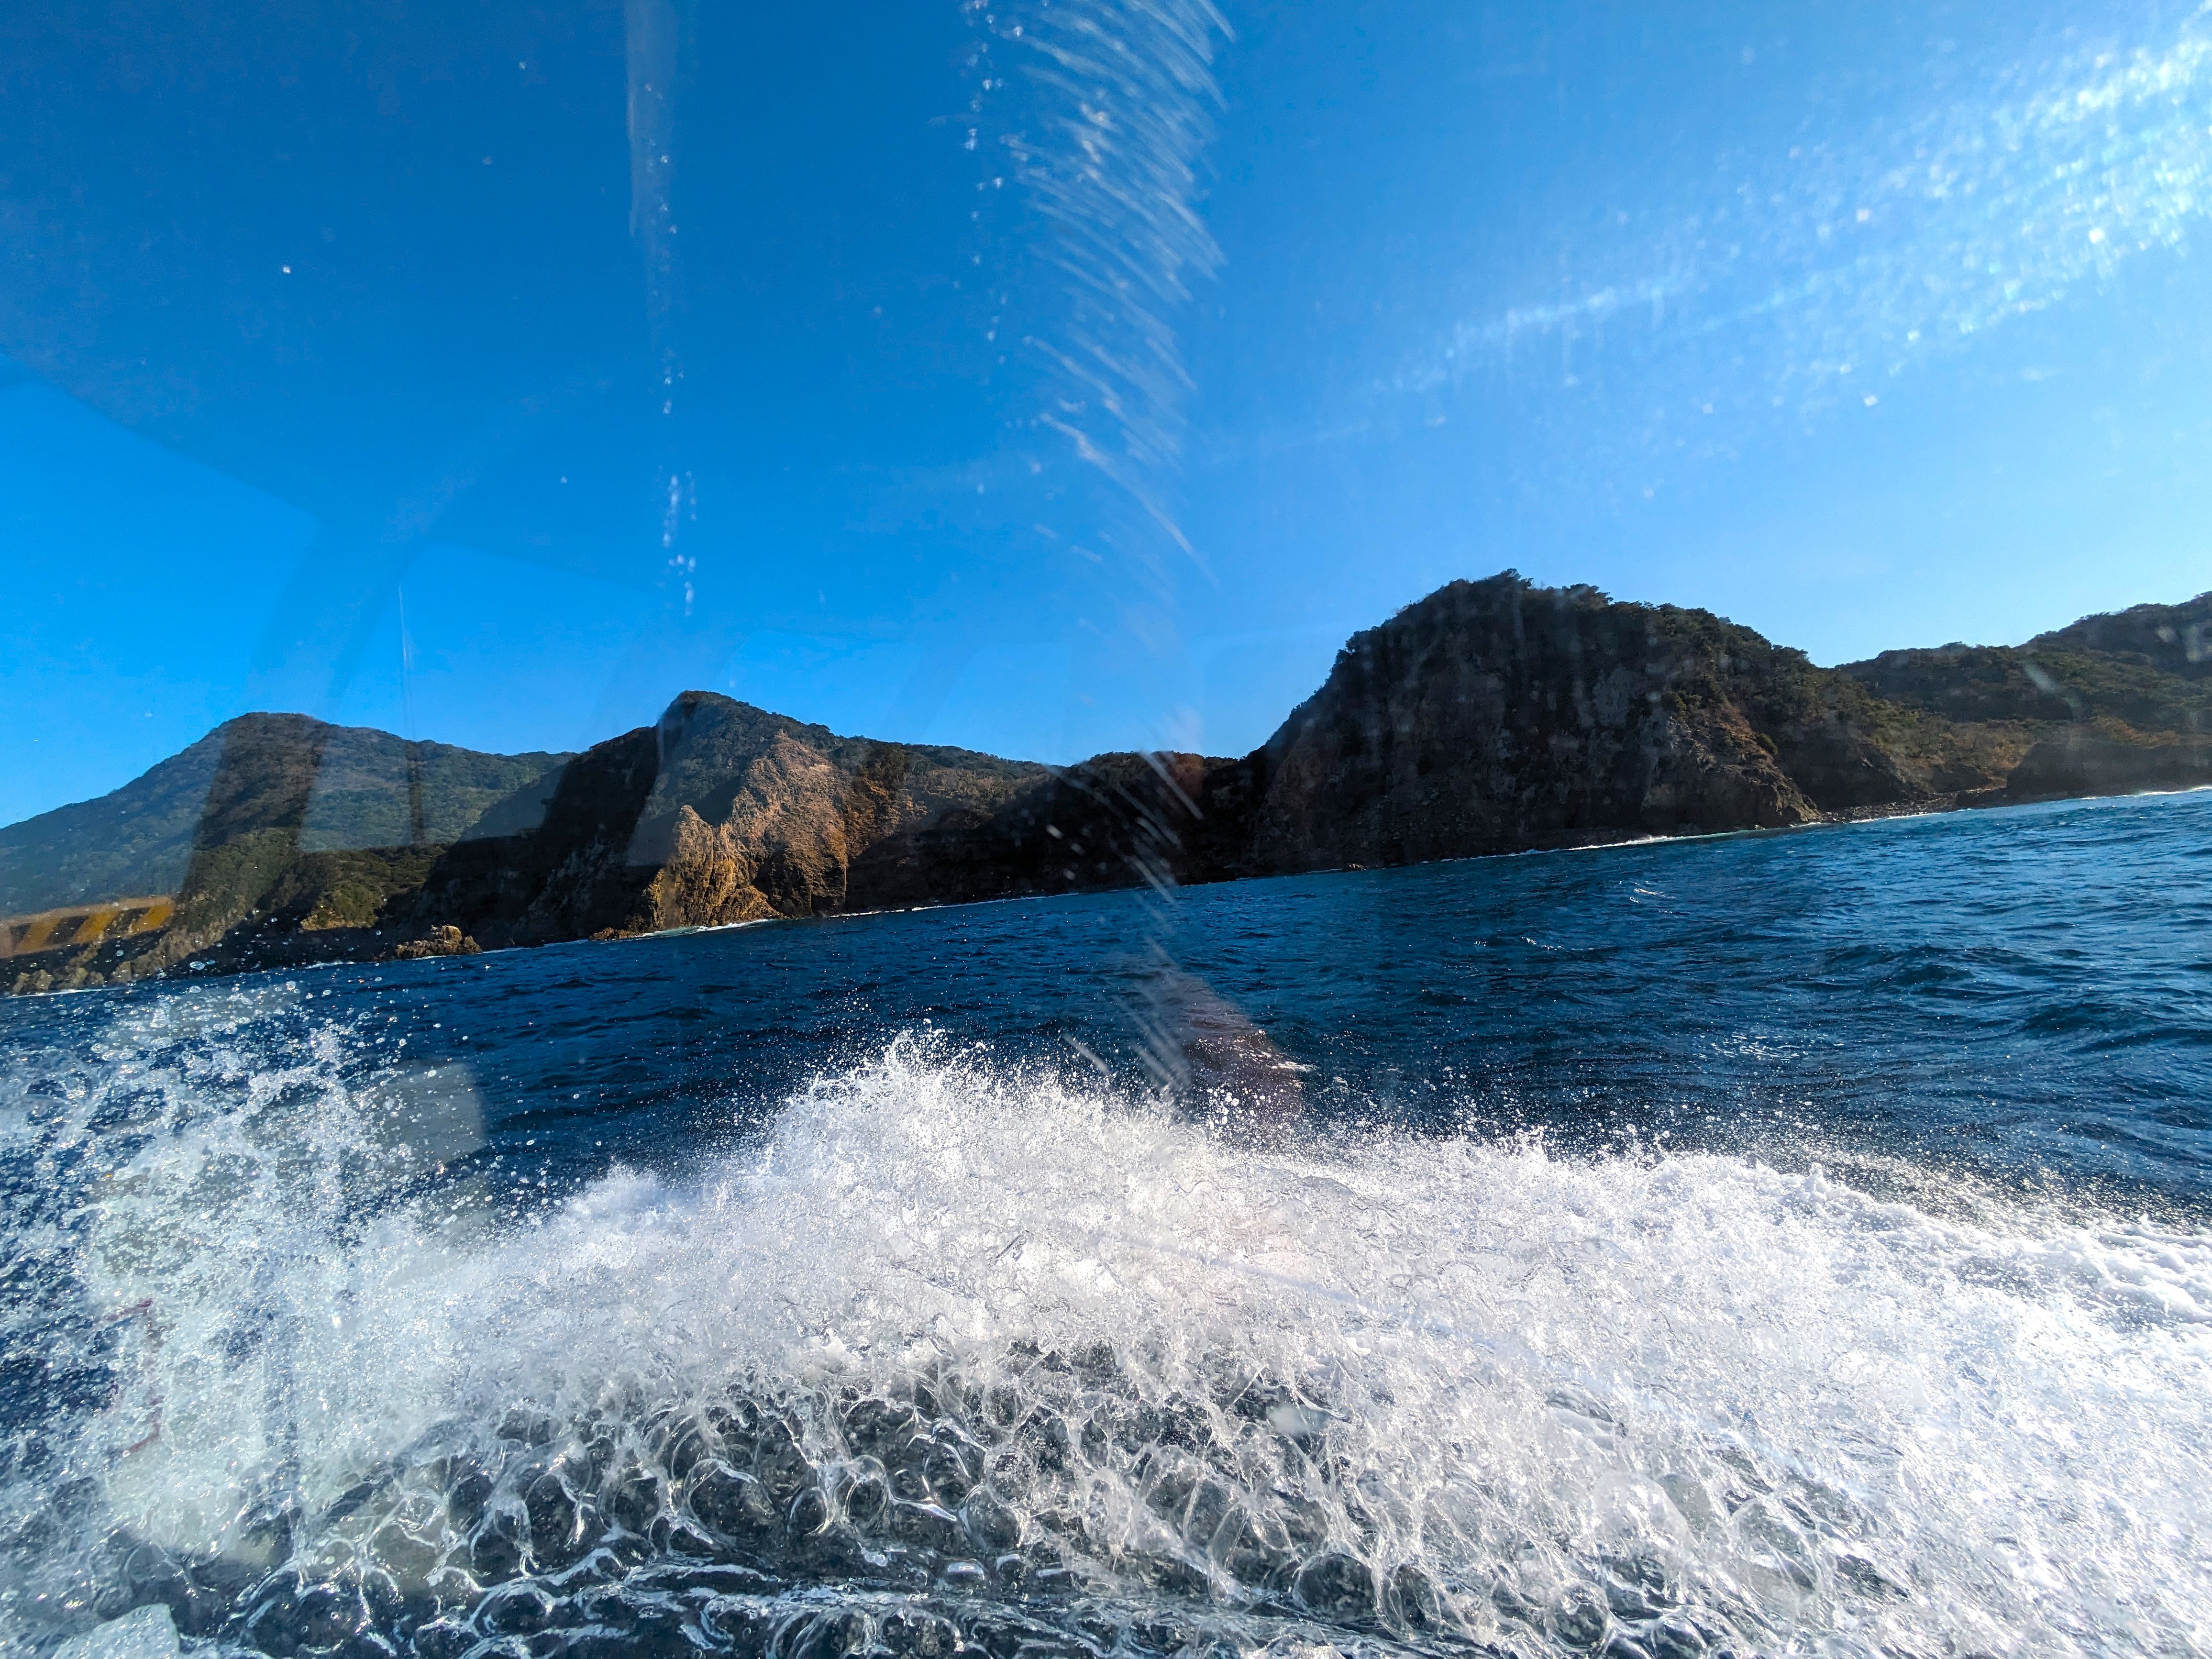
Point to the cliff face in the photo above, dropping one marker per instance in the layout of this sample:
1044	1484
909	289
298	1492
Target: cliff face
1496	715
567	878
1492	716
1118	820
721	813
2105	759
757	816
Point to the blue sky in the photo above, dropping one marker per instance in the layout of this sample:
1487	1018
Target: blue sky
1057	377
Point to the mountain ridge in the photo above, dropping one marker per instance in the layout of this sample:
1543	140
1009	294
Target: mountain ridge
1490	716
336	787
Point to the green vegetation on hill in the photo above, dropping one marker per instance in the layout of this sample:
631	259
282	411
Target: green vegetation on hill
2148	668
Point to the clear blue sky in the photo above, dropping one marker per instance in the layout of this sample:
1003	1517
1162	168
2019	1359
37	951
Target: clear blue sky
1058	377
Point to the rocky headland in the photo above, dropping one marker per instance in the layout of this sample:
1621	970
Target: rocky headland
1492	716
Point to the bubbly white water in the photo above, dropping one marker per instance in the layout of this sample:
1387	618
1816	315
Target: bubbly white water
1452	1387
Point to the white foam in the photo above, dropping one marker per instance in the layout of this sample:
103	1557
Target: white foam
143	1633
1857	1424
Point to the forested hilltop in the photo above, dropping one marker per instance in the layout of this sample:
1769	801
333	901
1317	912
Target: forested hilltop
1492	716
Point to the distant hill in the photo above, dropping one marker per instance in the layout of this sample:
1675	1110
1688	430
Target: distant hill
2149	667
1491	716
329	788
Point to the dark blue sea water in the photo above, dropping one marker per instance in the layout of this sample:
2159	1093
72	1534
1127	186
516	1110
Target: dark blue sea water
1798	1243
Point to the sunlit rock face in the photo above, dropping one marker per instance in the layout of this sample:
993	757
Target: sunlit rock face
720	813
755	815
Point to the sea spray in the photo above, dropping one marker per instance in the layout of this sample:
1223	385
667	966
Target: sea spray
961	1351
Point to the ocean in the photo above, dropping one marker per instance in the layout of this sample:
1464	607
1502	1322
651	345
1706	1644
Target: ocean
1797	1242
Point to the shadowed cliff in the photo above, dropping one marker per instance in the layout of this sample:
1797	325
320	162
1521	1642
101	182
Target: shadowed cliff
1497	715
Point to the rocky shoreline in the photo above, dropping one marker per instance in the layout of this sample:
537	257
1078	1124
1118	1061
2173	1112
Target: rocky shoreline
1490	717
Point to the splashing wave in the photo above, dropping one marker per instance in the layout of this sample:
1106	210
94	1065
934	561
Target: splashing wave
960	1357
